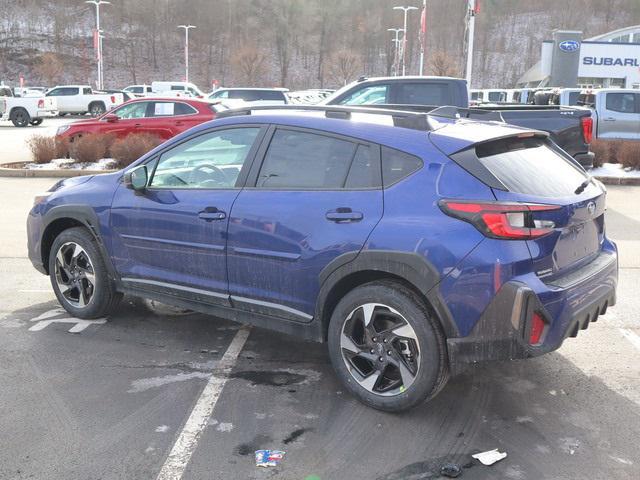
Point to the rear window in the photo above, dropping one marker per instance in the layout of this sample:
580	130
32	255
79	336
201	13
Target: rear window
530	166
424	94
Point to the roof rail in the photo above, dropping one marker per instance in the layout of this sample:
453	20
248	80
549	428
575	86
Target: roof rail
404	119
473	113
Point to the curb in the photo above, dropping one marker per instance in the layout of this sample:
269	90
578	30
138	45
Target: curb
619	180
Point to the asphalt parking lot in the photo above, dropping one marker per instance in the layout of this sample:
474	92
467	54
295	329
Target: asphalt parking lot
109	399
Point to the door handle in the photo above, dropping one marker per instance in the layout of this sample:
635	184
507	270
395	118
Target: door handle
179	123
210	214
137	125
609	119
344	215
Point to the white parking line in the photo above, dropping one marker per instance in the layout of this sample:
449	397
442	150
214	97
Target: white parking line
632	337
187	441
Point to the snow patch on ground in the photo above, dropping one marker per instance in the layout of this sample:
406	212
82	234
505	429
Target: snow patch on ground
69	163
614	170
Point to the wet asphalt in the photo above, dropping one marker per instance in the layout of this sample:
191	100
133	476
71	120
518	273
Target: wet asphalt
109	401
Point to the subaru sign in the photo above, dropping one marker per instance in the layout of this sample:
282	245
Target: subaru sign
569	46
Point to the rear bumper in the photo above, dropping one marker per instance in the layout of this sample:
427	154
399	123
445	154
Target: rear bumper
568	305
585	159
46	113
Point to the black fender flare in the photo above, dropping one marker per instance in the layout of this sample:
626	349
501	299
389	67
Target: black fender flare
86	216
411	267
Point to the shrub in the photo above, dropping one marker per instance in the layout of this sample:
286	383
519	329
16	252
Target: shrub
601	150
43	149
91	147
614	150
629	155
127	150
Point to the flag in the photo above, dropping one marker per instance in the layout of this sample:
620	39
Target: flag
96	43
476	8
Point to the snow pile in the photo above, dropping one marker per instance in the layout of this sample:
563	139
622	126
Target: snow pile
69	163
614	170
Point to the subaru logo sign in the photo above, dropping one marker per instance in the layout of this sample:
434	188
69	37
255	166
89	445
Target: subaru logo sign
569	46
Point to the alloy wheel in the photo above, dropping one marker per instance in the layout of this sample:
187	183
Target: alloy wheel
380	349
75	275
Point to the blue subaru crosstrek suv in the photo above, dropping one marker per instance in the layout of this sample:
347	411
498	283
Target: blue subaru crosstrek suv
414	244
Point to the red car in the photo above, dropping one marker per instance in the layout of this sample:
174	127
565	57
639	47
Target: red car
164	117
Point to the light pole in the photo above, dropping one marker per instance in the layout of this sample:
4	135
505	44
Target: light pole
186	50
404	36
98	39
471	23
395	40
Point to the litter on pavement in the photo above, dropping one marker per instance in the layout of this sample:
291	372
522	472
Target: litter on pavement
268	458
490	457
450	470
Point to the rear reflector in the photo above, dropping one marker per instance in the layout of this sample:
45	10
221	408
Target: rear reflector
587	129
537	328
507	221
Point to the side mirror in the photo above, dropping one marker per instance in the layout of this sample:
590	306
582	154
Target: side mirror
137	178
111	117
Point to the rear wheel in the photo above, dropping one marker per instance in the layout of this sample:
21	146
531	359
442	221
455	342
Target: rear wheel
20	117
79	276
386	348
96	109
36	121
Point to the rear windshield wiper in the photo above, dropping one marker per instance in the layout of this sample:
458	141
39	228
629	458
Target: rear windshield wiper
582	186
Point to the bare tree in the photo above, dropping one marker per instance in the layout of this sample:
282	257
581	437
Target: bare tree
443	65
50	67
249	64
343	66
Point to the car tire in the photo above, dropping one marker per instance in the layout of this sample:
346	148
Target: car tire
20	117
36	121
402	358
79	275
96	109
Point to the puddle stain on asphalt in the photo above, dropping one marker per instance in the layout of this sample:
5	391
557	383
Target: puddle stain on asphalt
296	434
429	469
270	378
249	448
278	378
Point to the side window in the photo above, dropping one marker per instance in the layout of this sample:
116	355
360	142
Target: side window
397	165
136	89
132	110
86	91
220	94
305	160
424	93
212	160
184	109
621	102
53	93
70	91
163	109
365	169
372	95
177	87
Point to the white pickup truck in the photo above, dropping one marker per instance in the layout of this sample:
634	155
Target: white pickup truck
615	112
23	111
82	99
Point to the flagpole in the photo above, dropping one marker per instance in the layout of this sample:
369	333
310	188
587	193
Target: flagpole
423	29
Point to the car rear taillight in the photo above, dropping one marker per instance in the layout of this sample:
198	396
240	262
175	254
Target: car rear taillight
507	221
113	99
41	103
537	329
587	129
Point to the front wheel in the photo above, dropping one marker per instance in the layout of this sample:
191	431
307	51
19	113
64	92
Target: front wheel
36	121
79	275
386	347
20	117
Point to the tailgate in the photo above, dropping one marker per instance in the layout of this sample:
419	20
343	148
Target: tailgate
533	170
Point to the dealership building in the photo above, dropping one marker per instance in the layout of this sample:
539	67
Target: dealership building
568	60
